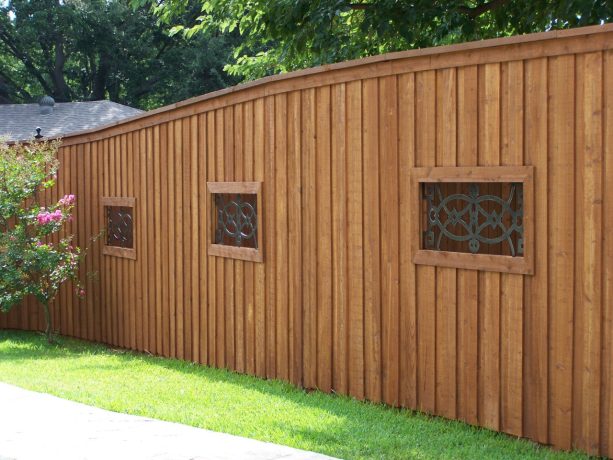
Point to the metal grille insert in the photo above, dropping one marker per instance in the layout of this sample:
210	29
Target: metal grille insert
236	220
119	227
477	218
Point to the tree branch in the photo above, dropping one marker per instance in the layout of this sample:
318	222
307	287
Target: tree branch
23	57
16	89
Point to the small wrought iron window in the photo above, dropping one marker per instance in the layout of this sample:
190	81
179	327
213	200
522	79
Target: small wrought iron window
236	223
119	226
237	220
479	218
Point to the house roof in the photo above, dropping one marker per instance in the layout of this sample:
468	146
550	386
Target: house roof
19	121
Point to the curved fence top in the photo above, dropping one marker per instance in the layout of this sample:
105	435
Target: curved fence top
550	43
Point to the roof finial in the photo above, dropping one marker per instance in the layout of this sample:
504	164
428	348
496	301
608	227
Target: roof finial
46	104
38	134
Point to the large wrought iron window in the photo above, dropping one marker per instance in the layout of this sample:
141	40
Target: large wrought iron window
235	218
477	218
119	226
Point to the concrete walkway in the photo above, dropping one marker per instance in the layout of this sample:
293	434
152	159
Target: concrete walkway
42	427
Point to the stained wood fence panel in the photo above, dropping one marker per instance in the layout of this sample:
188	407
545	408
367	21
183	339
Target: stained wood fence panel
338	303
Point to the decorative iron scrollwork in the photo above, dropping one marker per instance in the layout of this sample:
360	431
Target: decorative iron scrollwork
119	227
471	219
237	220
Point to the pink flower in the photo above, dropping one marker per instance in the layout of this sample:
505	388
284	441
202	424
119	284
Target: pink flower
56	215
46	217
43	217
67	200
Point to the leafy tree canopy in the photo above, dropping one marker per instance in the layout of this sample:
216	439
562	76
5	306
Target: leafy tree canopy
79	50
284	35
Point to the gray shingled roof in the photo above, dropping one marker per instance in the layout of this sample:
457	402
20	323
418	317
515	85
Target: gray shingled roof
19	121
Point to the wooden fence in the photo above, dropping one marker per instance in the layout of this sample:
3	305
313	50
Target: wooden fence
337	302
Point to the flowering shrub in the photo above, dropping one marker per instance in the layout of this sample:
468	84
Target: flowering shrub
34	259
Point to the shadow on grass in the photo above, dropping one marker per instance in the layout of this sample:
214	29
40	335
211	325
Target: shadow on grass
355	430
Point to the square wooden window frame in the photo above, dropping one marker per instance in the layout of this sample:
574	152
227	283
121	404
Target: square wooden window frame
124	202
483	262
233	252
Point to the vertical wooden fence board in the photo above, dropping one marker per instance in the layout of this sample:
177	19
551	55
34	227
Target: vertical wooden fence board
86	233
489	282
71	187
294	188
408	313
142	291
467	282
270	234
446	278
589	245
203	223
148	269
105	276
511	285
355	248
535	407
112	261
607	254
174	151
260	272
212	272
116	275
129	294
309	240
221	310
187	247
389	233
159	281
323	190
167	320
95	291
123	157
339	242
250	331
561	74
178	226
282	316
372	260
79	224
194	321
425	150
239	265
228	304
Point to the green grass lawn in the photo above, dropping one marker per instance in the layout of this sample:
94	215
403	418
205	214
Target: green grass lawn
246	406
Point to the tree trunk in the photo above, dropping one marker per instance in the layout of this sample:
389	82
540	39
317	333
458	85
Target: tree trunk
100	78
61	89
48	326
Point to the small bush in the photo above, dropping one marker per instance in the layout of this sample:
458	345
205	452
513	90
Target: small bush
34	259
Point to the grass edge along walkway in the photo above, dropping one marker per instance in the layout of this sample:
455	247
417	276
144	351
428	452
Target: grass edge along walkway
268	410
